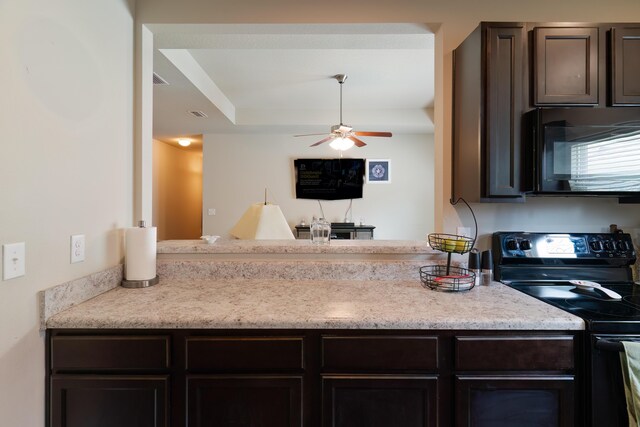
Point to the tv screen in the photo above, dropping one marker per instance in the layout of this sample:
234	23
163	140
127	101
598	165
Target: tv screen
329	179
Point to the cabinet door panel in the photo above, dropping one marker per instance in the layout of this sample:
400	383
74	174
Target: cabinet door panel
263	401
504	109
625	62
514	401
101	401
379	401
566	66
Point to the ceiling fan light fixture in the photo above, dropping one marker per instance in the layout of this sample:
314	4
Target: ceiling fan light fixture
341	144
343	136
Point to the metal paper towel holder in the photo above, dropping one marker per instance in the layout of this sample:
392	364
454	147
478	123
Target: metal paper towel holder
140	283
135	284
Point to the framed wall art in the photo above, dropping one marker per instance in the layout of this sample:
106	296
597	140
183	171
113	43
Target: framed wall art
378	171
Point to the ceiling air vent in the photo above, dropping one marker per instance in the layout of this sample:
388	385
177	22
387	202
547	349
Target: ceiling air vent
157	80
198	114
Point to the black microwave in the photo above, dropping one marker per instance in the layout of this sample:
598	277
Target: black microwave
583	151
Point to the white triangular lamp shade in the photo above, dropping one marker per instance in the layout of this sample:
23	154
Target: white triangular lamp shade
262	222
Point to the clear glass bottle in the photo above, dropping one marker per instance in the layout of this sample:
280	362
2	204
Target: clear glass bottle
320	231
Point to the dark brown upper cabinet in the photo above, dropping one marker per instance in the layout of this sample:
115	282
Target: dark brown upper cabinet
625	66
565	66
488	102
504	69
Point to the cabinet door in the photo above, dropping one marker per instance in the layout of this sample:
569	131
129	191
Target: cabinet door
625	65
379	401
566	66
514	401
504	68
263	401
101	401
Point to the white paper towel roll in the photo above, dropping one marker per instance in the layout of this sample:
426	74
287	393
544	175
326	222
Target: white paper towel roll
140	253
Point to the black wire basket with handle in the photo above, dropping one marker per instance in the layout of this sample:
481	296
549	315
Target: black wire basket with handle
447	277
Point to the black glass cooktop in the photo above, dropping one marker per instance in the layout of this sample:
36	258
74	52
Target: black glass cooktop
600	313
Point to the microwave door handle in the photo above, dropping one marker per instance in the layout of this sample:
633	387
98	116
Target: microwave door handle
608	345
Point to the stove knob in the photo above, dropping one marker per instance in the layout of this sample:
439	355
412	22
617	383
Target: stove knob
596	245
622	246
609	246
512	245
525	245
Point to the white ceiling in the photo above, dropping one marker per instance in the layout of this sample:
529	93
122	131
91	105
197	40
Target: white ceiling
277	78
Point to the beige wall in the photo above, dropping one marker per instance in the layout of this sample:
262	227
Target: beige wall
177	192
237	168
65	166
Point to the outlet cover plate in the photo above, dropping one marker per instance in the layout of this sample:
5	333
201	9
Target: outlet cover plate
13	263
77	248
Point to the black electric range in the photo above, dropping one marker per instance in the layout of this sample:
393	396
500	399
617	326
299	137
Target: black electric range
547	266
544	264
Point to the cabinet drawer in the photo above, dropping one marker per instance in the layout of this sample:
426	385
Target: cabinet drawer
379	353
514	353
244	353
109	353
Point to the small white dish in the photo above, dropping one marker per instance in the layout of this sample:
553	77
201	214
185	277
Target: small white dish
210	239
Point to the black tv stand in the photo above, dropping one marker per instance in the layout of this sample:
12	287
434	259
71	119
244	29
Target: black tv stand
340	231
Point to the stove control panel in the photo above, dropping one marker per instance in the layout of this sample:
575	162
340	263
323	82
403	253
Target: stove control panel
516	245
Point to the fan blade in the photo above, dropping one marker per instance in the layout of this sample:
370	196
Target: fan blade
312	134
358	142
321	141
387	134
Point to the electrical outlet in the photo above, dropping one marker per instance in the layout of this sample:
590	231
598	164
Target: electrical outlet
464	231
13	260
77	248
212	211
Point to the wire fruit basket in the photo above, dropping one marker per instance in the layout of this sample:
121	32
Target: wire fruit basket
447	278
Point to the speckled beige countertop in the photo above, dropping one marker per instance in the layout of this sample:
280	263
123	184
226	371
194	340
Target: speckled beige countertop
327	304
300	246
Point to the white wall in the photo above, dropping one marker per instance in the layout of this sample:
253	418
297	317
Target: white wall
237	168
549	214
65	166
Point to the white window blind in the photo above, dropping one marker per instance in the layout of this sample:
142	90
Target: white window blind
610	163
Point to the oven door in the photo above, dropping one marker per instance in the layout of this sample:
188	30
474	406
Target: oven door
605	396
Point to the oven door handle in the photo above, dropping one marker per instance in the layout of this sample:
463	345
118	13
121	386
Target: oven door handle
608	345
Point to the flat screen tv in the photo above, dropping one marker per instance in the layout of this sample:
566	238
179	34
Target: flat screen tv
329	179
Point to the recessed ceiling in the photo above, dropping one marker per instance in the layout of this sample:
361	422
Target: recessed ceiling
278	78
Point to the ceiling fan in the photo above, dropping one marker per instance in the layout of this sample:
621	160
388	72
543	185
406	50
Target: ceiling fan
343	136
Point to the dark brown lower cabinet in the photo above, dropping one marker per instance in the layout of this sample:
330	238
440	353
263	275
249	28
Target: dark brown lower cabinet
312	378
496	401
379	401
108	401
230	401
